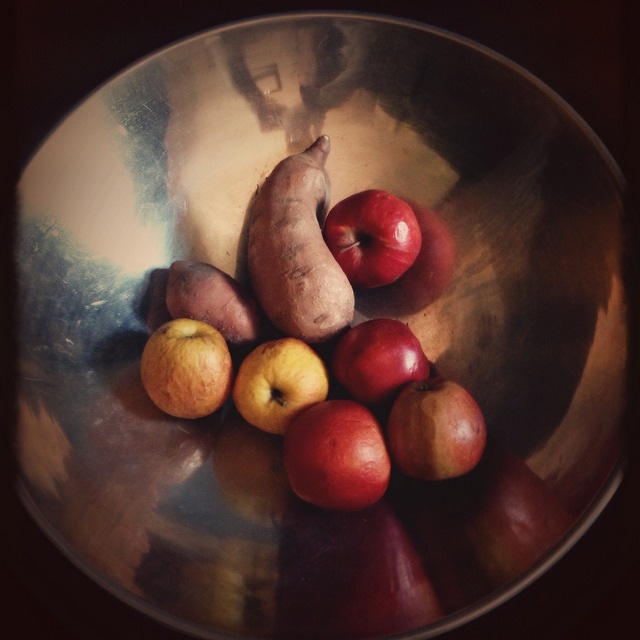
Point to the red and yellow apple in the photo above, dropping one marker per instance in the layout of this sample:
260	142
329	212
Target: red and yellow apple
374	359
335	456
276	381
186	368
374	236
435	430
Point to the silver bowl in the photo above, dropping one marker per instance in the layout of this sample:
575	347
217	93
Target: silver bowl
193	523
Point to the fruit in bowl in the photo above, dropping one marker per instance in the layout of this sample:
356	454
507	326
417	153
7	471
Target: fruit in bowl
373	359
200	291
335	456
179	186
186	368
425	280
299	285
436	430
276	381
374	236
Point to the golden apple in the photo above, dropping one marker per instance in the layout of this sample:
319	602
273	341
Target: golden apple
276	381
186	368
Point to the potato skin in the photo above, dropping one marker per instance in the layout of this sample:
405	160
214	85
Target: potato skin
296	279
200	291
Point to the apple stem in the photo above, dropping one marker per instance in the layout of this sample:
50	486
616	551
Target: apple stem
276	395
351	245
359	239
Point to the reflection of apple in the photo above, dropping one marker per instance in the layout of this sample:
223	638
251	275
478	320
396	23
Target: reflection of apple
200	291
335	456
435	430
229	585
186	368
348	575
131	453
481	530
425	280
374	236
129	435
516	519
276	381
247	463
372	360
434	513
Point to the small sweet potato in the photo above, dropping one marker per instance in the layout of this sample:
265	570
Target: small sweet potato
203	292
296	279
154	306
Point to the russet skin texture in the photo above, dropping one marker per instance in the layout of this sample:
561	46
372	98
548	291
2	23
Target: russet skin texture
436	430
200	291
299	285
276	381
186	368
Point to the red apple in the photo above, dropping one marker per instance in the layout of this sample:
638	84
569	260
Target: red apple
425	280
374	236
335	456
349	575
374	359
436	430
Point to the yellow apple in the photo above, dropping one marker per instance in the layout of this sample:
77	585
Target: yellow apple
276	381
186	368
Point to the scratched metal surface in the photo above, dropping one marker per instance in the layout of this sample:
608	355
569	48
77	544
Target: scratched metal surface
185	520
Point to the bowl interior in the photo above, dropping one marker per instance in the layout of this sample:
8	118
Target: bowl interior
194	523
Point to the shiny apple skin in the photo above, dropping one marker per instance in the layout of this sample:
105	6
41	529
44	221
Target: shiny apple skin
436	430
335	456
374	236
426	280
374	359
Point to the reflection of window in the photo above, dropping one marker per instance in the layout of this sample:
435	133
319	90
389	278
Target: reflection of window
267	78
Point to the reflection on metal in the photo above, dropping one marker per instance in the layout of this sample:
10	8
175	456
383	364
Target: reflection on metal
196	519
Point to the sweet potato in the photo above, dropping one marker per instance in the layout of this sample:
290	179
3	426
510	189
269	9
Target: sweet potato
154	305
203	292
299	284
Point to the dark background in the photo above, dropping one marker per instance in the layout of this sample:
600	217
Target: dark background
58	51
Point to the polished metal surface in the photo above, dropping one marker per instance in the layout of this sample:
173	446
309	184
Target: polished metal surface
193	522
